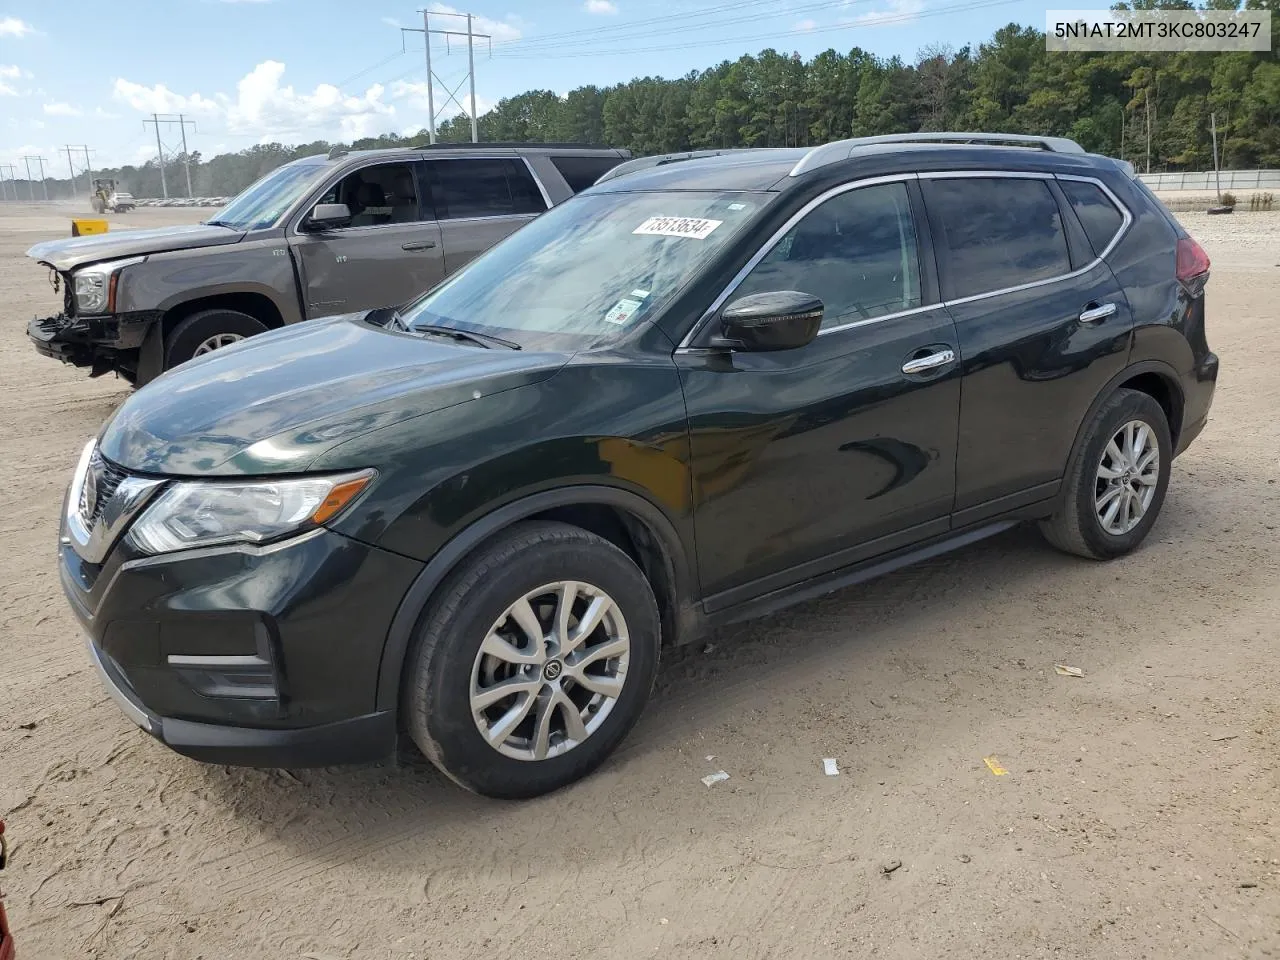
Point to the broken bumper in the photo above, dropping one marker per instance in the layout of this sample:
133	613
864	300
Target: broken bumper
101	343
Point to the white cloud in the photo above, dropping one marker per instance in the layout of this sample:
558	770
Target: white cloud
391	22
160	99
807	25
899	11
13	27
61	110
13	72
600	6
507	29
6	90
263	104
105	114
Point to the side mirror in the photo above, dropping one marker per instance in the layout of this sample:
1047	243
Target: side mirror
782	320
328	216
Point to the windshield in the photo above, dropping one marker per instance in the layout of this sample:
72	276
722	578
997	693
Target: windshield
589	269
262	204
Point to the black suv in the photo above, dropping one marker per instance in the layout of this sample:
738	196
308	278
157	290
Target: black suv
692	394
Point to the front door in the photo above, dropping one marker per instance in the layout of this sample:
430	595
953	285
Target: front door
391	252
1043	324
806	460
480	201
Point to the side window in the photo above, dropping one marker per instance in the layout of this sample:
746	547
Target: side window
857	253
1098	215
386	193
476	187
581	172
995	232
525	195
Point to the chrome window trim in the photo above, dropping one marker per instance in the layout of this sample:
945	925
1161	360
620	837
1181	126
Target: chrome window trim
774	240
1092	264
1126	214
1119	205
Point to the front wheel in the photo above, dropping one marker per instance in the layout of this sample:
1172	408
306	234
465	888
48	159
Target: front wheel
206	331
1116	485
535	660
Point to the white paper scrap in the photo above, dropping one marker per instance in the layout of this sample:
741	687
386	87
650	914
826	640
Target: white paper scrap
713	778
829	767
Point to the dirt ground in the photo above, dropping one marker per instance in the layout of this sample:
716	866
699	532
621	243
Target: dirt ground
1137	818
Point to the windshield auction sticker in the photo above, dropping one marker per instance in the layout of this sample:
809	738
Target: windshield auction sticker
1099	31
622	311
694	227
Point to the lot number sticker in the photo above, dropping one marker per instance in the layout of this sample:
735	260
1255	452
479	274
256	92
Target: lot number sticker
623	311
695	227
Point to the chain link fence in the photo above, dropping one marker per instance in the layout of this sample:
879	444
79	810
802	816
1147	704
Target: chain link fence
1205	180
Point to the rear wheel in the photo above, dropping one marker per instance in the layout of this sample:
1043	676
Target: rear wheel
1116	485
535	660
207	331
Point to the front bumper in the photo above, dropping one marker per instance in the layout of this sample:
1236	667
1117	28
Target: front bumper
255	656
102	343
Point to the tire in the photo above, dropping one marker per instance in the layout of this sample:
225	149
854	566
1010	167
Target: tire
447	664
188	336
1077	527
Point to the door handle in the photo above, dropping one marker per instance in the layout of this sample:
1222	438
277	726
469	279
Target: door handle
1094	314
418	245
932	362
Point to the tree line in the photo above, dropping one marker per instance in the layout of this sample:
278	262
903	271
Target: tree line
1152	109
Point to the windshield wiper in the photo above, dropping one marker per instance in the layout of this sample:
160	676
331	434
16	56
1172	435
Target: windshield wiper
485	340
221	223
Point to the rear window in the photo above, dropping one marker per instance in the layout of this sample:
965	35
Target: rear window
582	172
1098	215
996	233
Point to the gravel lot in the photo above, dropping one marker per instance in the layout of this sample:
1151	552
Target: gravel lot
1138	817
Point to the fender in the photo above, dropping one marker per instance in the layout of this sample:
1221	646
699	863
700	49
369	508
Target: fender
1158	367
415	601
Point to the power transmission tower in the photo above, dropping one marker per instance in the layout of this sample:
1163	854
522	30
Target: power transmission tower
31	187
471	36
168	118
71	166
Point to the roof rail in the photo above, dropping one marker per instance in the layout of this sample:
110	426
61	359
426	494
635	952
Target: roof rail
843	149
338	151
527	144
662	159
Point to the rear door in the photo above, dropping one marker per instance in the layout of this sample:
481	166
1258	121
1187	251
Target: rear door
390	253
479	201
1043	326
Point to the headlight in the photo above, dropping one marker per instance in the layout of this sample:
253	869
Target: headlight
91	291
95	286
201	514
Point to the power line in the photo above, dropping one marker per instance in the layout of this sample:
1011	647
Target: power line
662	24
877	21
71	167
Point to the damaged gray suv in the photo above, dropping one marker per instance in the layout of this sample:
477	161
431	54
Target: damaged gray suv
320	236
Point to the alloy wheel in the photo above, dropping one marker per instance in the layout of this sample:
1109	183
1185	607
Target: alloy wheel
217	342
550	670
1126	479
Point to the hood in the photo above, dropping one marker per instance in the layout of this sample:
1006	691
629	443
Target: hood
78	251
275	402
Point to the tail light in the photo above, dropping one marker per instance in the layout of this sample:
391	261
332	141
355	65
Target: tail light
1192	264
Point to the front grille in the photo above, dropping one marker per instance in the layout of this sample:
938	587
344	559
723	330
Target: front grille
101	481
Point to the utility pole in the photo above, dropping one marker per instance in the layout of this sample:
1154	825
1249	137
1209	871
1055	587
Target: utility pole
432	79
155	121
88	171
31	187
186	157
71	166
1213	129
182	122
13	178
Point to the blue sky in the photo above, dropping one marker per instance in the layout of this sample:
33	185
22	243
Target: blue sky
249	71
